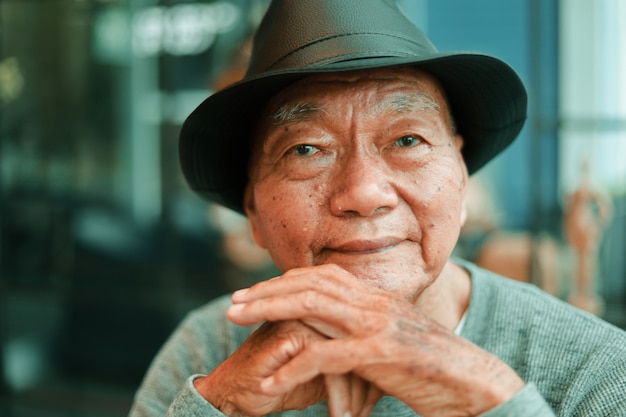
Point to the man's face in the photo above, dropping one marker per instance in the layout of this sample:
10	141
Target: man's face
361	170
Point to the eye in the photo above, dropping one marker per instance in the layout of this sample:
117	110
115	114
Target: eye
408	141
304	150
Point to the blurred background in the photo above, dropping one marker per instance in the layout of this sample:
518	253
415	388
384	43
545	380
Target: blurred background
103	249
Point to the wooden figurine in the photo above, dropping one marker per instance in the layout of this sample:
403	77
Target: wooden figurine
587	215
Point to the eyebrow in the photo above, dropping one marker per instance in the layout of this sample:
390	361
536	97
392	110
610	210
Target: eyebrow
408	102
293	113
400	102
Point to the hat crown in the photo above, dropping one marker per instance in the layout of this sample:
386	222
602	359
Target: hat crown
299	34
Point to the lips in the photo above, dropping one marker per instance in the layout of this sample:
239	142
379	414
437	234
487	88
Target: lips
364	246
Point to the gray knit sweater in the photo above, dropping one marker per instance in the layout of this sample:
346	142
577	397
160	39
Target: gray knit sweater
573	363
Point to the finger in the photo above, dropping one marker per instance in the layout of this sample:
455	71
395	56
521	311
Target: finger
338	390
320	311
373	395
294	280
306	304
358	393
331	278
321	358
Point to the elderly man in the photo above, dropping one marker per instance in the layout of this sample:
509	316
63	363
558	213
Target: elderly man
348	145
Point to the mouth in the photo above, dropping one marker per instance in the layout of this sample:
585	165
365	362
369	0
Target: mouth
364	247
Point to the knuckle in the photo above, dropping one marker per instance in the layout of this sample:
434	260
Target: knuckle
315	350
310	300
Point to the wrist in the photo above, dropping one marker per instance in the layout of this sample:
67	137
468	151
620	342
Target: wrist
211	392
501	392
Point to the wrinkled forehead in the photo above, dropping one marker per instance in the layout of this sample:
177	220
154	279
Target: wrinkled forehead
404	88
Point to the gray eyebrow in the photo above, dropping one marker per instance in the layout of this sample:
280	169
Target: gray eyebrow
401	102
406	102
292	113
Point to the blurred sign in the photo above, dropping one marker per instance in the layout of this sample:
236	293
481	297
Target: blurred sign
182	29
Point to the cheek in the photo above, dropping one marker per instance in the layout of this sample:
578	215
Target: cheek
288	220
439	211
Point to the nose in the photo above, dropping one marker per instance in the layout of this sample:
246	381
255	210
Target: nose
363	187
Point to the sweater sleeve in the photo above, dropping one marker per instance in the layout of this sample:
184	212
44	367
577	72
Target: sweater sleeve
189	403
528	402
575	362
202	341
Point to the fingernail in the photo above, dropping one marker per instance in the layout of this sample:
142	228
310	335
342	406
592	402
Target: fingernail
236	308
348	414
240	293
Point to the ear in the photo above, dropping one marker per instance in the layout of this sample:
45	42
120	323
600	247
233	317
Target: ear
253	216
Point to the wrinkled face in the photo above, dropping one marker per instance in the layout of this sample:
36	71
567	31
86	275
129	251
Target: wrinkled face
362	170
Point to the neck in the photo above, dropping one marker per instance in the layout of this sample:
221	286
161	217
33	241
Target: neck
447	299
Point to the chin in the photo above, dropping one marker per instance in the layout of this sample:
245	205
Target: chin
405	283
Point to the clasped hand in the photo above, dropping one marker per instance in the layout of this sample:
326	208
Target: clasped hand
329	335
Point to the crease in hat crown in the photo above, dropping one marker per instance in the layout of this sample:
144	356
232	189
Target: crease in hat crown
297	38
301	34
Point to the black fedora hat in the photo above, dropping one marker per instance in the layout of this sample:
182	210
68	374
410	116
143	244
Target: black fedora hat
298	38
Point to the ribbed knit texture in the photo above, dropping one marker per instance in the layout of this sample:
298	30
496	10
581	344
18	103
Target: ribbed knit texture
574	364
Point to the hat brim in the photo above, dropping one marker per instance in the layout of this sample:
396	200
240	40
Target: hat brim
486	96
